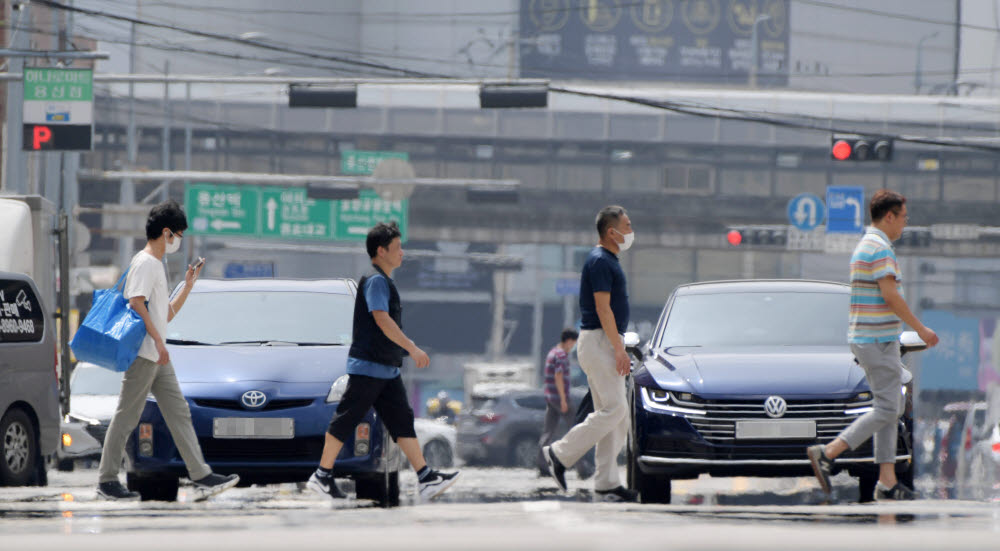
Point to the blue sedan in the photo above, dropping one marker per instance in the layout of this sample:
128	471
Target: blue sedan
262	364
739	378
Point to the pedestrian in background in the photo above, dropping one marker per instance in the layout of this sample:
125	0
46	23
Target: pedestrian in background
556	387
373	364
877	313
604	310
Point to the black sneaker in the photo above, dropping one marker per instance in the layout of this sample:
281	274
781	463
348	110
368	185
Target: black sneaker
619	494
556	469
213	484
115	491
326	486
896	493
821	464
435	483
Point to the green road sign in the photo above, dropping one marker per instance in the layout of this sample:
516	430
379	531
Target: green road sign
223	210
353	218
364	162
286	213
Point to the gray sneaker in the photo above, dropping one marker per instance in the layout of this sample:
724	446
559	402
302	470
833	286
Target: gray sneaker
896	493
821	464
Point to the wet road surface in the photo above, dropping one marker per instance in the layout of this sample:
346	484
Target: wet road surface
493	509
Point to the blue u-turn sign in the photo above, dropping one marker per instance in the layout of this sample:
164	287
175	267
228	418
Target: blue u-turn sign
806	211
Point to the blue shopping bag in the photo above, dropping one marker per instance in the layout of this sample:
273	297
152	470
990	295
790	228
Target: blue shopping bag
111	334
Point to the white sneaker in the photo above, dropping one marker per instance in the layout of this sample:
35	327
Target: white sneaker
325	487
436	484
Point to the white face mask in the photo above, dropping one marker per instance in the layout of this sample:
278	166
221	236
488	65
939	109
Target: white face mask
175	245
629	238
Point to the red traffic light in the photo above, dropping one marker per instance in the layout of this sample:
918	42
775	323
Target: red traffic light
734	237
841	150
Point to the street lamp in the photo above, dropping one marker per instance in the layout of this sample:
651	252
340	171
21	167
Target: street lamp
755	46
917	74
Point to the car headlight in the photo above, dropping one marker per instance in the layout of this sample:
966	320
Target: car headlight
657	399
658	395
337	390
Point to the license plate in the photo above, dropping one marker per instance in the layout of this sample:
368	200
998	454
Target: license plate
253	427
775	430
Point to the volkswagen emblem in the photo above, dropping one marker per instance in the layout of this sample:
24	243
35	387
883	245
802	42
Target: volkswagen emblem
253	399
775	406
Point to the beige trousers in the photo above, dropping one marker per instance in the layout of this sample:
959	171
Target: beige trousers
607	427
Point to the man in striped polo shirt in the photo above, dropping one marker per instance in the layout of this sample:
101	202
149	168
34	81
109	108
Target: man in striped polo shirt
876	316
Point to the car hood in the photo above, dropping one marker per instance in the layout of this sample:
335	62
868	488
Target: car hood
100	407
304	366
751	372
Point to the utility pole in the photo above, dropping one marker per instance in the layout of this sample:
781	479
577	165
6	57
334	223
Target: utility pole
128	186
14	159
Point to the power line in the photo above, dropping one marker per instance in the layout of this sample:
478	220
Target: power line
743	116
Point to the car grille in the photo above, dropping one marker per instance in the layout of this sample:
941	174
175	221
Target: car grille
297	449
268	406
719	423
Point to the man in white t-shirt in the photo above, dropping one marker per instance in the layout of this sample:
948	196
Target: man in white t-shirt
147	293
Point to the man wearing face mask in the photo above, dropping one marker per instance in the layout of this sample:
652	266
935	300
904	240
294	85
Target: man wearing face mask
147	293
601	350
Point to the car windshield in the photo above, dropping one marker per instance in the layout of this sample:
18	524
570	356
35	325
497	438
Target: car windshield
264	317
90	379
757	319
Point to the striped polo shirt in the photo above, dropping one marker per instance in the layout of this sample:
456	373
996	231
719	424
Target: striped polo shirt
871	320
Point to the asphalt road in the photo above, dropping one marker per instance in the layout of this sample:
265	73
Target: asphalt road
494	509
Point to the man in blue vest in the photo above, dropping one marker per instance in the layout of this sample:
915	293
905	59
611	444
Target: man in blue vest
373	364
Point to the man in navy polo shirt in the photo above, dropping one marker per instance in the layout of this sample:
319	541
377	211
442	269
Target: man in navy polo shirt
373	364
601	350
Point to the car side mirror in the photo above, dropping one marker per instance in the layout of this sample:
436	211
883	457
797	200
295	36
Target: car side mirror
633	344
909	341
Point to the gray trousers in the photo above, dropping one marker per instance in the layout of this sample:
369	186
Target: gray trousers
883	369
552	419
142	378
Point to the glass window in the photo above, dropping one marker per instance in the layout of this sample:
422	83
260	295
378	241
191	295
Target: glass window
531	402
758	319
255	316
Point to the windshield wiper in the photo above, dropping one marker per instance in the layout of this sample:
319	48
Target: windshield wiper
283	343
186	342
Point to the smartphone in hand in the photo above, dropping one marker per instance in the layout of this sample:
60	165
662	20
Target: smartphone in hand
199	263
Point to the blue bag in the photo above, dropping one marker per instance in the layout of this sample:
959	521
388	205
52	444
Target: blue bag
111	334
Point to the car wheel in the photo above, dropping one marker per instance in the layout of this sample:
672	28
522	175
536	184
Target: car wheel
524	452
437	453
18	448
376	488
866	485
652	488
154	488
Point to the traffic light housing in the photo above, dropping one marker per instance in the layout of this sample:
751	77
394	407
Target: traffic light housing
343	97
858	147
745	236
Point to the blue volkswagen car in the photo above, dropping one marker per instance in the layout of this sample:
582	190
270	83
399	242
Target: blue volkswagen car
262	364
739	378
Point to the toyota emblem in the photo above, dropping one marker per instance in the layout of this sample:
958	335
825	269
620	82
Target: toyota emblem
775	406
253	399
